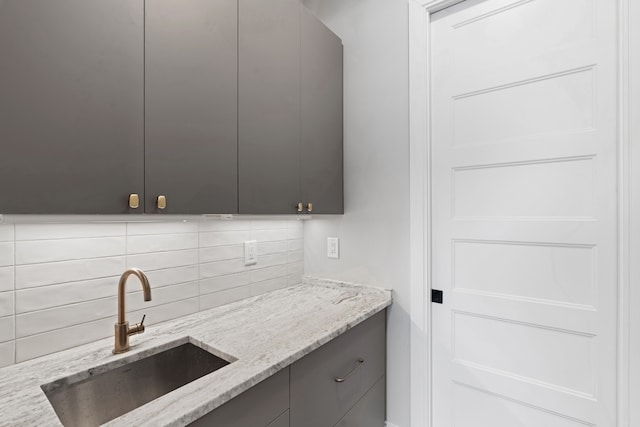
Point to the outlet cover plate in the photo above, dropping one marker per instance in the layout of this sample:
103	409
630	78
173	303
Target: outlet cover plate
333	247
250	252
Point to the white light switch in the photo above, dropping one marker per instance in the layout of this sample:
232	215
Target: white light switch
333	247
250	252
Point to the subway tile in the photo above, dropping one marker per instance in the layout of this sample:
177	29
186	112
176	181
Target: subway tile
33	275
68	231
295	224
6	279
6	254
220	268
226	296
262	274
296	245
266	248
161	243
7	233
172	276
7	303
7	353
224	238
270	260
268	286
160	296
143	228
37	322
295	233
45	297
163	260
220	283
165	312
294	279
225	225
7	328
268	224
269	235
61	339
221	253
295	256
40	251
295	268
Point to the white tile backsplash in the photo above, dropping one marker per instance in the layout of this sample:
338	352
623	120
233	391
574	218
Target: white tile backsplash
58	282
6	254
7	353
7	328
7	233
6	278
6	303
29	276
39	251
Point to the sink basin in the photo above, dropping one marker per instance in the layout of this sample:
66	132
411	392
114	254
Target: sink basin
106	395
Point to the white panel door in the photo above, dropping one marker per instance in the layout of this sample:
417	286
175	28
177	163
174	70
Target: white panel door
524	213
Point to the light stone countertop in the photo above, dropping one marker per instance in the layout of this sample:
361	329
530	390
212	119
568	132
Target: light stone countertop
261	335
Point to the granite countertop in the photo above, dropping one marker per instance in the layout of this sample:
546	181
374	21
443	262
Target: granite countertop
261	335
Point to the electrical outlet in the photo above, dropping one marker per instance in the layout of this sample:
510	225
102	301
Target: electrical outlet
250	252
333	247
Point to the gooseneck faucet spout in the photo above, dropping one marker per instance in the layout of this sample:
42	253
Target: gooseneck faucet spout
122	330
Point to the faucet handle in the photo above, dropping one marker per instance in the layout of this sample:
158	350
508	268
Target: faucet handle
137	328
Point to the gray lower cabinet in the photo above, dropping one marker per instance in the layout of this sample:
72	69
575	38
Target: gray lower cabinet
269	106
71	105
340	384
191	85
321	97
265	404
318	396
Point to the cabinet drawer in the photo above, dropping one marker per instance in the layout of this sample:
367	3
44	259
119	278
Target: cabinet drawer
369	411
281	421
318	399
258	406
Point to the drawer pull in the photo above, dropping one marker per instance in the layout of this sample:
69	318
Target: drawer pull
355	368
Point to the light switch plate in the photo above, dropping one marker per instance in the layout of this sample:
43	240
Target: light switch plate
250	252
333	247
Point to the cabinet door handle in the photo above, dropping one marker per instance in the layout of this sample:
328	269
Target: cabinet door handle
300	207
134	201
309	207
359	363
162	202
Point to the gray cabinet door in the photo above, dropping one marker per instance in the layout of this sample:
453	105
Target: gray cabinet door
322	178
357	356
71	105
269	106
191	105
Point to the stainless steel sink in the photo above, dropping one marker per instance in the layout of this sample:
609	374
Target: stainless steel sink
106	395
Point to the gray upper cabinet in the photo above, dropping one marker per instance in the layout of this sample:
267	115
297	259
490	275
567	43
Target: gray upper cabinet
71	105
191	94
269	106
322	164
214	106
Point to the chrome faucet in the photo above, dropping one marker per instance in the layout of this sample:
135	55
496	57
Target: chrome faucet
122	330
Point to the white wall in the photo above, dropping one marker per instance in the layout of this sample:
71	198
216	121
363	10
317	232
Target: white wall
58	282
374	231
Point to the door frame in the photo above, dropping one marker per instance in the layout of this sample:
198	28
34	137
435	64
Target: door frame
628	376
